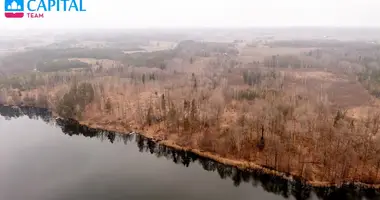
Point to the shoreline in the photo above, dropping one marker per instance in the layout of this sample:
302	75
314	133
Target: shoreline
240	164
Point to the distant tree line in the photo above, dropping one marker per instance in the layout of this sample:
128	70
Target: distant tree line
26	61
58	65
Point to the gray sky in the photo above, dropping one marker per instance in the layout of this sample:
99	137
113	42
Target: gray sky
207	13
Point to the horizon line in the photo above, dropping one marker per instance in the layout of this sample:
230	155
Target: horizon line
194	27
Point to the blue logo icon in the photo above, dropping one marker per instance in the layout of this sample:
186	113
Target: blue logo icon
14	8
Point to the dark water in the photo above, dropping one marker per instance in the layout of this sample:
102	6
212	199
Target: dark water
44	159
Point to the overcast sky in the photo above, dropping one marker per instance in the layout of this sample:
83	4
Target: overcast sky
207	13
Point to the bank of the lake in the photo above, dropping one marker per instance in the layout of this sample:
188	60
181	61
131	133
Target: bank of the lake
55	149
241	164
150	132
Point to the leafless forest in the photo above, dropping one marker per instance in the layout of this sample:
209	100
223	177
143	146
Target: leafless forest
306	105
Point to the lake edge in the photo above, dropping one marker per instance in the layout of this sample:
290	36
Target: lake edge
239	164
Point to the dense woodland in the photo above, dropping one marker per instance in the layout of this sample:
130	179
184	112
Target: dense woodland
287	112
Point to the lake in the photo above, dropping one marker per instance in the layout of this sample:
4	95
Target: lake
46	159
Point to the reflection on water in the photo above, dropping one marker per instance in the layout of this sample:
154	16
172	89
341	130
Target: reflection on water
276	185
